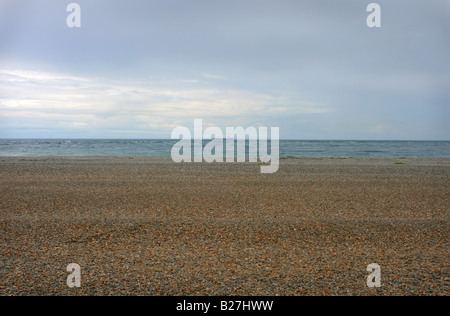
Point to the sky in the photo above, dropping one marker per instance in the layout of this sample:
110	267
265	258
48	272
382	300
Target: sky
140	68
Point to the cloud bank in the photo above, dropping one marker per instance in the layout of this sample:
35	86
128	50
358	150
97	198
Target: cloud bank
313	68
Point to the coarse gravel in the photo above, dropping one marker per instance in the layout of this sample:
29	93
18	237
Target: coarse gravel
148	226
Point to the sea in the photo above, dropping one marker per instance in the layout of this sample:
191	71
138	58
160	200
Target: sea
163	147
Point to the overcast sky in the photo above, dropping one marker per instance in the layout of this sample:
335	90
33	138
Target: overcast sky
137	69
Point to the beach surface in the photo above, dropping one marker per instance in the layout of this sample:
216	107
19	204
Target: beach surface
148	226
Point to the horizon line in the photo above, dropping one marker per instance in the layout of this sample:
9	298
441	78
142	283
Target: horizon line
281	139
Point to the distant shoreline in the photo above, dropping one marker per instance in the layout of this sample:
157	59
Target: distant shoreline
286	161
287	148
281	139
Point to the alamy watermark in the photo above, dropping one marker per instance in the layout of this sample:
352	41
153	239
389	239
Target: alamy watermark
213	151
74	18
374	18
74	278
374	278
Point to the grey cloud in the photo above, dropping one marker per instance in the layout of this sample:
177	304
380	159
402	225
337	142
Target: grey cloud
320	51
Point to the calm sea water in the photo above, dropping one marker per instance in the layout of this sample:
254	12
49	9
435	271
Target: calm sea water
299	148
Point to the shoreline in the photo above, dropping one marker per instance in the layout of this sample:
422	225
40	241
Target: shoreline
169	158
287	161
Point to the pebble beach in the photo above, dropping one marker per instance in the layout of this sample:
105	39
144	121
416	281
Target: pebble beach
149	226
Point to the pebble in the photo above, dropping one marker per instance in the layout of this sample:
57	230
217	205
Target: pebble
148	226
